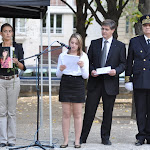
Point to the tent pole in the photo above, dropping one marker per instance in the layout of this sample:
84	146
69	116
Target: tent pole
49	60
41	100
14	26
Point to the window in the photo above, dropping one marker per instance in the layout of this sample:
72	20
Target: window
9	20
54	54
58	23
55	23
20	24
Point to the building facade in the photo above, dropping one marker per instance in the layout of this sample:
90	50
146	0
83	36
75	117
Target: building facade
62	25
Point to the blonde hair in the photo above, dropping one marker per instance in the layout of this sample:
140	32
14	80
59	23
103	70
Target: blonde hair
80	41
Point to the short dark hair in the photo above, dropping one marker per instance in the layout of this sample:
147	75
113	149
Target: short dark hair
6	25
110	23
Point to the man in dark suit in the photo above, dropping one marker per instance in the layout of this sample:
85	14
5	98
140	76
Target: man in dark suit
138	73
104	85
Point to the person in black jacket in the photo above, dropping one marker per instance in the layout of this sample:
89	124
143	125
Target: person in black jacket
104	85
9	88
138	78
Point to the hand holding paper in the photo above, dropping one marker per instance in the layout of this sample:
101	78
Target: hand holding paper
71	63
104	70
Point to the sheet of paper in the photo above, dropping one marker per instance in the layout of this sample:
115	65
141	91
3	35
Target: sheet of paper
70	62
104	70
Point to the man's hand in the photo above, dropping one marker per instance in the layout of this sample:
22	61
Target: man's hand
94	73
62	67
112	72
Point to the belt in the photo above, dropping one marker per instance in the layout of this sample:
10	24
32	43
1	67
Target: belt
64	75
9	77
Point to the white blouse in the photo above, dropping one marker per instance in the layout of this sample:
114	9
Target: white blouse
84	71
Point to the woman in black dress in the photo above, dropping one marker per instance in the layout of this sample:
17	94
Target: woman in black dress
72	87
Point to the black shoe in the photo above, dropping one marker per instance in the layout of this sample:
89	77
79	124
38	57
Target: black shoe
63	146
11	144
148	141
139	143
2	144
77	146
106	142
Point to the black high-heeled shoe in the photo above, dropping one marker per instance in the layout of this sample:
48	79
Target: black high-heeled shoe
63	146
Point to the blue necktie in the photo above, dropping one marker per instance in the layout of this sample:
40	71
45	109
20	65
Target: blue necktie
103	56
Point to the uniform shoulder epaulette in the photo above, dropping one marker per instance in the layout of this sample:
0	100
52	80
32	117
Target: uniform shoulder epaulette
127	79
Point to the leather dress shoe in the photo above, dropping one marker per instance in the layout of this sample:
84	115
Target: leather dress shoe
148	141
10	144
139	143
106	142
2	144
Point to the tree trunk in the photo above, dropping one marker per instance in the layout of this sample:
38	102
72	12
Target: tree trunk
81	17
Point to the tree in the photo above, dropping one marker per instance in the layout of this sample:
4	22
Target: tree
144	8
110	9
82	20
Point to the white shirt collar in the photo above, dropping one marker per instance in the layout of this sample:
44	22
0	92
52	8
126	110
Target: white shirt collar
109	40
146	38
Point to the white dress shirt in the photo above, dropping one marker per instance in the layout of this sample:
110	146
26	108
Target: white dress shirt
146	38
108	45
84	71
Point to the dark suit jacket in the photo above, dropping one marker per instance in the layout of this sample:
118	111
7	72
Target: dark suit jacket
138	63
116	59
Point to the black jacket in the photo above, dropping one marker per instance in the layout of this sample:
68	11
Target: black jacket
116	59
138	63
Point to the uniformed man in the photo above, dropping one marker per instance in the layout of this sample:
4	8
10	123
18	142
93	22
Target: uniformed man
138	73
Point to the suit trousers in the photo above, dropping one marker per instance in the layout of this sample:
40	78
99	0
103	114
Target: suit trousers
9	92
142	105
92	102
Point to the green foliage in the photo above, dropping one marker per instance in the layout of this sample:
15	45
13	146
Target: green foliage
132	11
136	16
89	21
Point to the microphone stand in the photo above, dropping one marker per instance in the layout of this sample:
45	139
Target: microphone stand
37	142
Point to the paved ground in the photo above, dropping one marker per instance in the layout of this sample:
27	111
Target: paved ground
122	135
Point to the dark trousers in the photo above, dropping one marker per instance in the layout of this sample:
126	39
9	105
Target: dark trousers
92	102
142	105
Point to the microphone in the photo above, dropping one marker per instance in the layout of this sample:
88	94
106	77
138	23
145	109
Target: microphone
62	44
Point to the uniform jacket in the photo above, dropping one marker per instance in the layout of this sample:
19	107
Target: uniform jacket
116	59
138	63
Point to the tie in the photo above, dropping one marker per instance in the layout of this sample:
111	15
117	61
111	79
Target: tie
148	41
103	56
